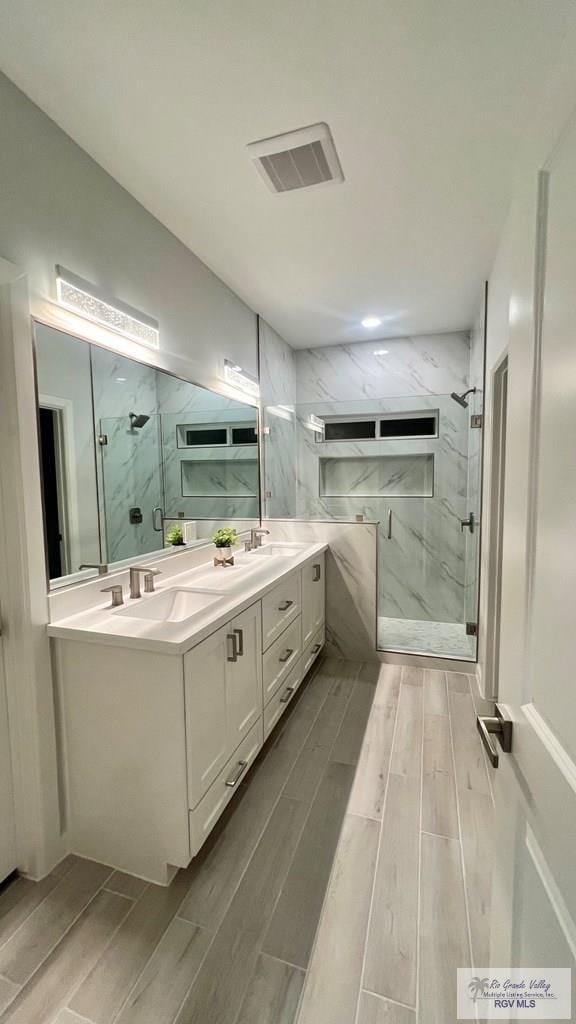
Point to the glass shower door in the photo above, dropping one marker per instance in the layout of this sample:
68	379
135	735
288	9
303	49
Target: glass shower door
132	486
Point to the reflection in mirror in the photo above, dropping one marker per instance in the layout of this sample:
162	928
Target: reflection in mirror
127	449
67	451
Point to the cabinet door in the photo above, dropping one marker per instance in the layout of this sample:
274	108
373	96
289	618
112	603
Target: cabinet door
205	679
313	584
244	674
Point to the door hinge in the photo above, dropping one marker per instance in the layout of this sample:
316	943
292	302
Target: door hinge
471	629
476	421
102	439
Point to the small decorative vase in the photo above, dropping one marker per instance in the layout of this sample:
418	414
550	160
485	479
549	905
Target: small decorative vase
224	557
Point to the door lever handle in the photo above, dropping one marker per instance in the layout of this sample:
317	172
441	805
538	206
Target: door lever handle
495	725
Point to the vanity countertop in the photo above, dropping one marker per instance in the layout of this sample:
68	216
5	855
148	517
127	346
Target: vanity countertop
225	591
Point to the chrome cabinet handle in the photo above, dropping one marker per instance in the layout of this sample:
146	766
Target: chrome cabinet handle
287	654
317	572
240	634
389	524
157	509
237	774
287	694
495	725
316	648
285	606
234	655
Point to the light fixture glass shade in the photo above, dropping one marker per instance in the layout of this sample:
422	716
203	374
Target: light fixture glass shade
241	379
81	297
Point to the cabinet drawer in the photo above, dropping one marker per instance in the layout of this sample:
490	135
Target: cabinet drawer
206	814
280	658
279	608
281	699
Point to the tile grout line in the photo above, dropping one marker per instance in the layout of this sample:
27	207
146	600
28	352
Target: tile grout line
419	901
378	852
279	960
249	861
388	999
462	864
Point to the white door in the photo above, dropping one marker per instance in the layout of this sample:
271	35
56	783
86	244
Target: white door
534	896
205	683
244	674
7	823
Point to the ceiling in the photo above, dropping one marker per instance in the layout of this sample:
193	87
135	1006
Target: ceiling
428	101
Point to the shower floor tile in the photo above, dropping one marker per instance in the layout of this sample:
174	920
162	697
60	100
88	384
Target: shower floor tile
414	636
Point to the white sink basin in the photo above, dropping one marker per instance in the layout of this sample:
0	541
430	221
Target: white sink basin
172	605
282	549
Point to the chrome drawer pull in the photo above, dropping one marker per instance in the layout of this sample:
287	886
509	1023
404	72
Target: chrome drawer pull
285	606
287	694
240	634
316	648
237	774
317	572
234	655
287	655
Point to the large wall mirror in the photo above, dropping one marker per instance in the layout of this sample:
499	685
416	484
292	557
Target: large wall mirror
126	449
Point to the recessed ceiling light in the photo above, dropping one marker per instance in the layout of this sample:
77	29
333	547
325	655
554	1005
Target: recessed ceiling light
381	352
371	321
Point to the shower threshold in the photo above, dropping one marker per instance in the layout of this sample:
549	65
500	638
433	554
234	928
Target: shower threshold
437	639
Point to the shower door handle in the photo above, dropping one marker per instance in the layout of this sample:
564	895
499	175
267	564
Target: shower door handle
470	523
157	509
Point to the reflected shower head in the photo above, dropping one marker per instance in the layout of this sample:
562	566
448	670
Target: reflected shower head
461	399
137	420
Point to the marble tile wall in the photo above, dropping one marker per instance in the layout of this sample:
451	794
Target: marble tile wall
350	582
278	399
422	565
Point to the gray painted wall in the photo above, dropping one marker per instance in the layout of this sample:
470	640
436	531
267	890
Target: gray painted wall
58	206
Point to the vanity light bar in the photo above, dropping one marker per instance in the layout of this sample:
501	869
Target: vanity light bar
86	299
241	379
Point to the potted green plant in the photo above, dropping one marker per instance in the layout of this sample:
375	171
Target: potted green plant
175	537
225	539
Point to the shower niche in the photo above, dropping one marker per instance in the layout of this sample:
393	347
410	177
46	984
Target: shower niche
377	476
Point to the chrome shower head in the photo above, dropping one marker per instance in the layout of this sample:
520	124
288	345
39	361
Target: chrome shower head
461	399
137	420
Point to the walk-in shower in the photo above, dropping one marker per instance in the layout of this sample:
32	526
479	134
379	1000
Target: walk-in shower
406	456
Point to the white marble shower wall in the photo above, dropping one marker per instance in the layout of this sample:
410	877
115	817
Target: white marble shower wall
422	564
190	489
128	465
278	400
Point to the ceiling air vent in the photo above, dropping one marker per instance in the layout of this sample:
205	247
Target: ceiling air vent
306	158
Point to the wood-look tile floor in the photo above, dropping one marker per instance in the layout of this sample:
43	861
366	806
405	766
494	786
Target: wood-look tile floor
332	887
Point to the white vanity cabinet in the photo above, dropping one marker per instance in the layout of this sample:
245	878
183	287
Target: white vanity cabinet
156	742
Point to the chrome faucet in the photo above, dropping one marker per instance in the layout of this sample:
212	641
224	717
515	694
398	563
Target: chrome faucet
117	594
256	538
101	566
148	573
